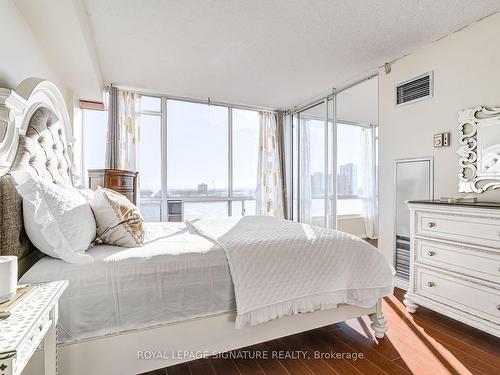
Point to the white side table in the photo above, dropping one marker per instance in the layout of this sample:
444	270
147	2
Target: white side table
31	320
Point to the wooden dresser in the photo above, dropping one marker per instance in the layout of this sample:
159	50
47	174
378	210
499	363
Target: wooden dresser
455	261
121	181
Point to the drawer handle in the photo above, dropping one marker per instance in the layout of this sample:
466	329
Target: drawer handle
431	253
430	284
498	307
430	224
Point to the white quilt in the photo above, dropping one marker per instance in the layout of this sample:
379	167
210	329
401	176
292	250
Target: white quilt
281	267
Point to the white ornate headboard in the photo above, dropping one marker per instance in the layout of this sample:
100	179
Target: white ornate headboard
35	135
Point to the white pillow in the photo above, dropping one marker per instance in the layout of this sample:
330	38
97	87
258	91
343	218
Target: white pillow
57	219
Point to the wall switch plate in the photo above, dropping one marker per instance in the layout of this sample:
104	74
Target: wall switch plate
442	140
446	139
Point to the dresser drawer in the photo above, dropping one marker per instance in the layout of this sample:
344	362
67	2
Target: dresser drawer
32	341
123	182
478	300
460	228
465	260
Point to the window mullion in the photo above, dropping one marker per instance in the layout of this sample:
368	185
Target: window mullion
164	165
325	169
230	160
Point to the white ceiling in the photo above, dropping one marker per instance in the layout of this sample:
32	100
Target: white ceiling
271	53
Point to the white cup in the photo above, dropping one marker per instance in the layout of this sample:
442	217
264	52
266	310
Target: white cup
8	277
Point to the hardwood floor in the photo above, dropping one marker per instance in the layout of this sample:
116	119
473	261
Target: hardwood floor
372	242
423	343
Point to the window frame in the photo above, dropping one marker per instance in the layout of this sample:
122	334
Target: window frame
230	197
83	136
161	114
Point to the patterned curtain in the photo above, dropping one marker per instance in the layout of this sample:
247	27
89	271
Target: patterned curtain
128	134
270	197
124	130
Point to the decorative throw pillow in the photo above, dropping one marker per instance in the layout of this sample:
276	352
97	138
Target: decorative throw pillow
119	221
57	219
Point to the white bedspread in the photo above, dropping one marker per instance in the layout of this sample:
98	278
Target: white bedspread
176	275
281	267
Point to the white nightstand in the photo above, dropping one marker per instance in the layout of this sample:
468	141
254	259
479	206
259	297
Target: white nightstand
32	320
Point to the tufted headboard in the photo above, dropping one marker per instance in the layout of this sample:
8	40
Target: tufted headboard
35	137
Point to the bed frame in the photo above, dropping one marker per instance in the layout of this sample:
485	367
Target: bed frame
134	351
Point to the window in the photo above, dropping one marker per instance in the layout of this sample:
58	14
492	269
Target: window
243	207
150	104
349	182
150	167
245	159
150	155
313	158
203	155
95	134
202	142
245	155
314	173
310	143
197	149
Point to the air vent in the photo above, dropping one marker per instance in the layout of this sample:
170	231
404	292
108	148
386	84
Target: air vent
402	261
416	89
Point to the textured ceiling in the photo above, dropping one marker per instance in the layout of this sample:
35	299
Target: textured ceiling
272	53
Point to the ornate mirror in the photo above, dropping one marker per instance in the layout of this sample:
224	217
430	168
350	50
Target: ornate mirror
479	139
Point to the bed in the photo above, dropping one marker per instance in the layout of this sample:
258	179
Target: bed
176	294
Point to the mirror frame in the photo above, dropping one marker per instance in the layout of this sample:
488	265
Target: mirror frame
469	121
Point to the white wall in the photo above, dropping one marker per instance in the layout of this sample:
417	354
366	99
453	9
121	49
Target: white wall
354	225
63	32
22	56
466	68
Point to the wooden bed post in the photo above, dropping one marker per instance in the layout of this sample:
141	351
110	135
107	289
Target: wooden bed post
379	324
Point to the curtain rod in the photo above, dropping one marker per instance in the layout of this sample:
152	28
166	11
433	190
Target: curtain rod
208	100
362	124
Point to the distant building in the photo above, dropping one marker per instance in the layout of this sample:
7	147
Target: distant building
317	183
203	189
347	179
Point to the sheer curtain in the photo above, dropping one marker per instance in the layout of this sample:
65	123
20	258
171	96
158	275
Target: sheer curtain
369	183
305	201
111	98
287	161
269	194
